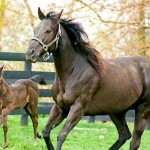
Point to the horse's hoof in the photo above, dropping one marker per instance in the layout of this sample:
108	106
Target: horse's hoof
39	136
5	146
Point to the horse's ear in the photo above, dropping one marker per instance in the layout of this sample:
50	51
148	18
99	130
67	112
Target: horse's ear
1	68
41	14
57	16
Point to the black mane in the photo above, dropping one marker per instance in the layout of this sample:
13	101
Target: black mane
50	15
80	42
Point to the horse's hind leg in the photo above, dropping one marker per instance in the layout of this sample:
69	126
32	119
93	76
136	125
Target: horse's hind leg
32	112
123	130
141	119
5	129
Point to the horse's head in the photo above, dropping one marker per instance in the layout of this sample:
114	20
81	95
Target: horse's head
1	79
46	36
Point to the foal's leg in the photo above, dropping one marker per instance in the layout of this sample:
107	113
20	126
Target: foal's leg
3	119
139	126
123	130
5	113
32	112
75	114
5	129
55	118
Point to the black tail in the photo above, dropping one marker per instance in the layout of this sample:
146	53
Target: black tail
38	79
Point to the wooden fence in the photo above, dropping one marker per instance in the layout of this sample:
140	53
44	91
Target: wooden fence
43	108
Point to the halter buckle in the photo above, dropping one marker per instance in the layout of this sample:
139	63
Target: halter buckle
45	47
46	56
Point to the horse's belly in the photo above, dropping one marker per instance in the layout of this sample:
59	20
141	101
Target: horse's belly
112	102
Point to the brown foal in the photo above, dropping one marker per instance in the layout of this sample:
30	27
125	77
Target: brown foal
23	93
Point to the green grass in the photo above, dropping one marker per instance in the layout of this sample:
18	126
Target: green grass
84	136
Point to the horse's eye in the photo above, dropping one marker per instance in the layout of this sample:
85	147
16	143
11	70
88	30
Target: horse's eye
48	31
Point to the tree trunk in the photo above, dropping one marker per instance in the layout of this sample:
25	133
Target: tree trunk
2	13
141	30
30	14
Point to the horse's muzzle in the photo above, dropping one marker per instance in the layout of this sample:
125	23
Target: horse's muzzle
31	56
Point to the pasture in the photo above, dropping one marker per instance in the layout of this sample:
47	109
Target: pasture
84	136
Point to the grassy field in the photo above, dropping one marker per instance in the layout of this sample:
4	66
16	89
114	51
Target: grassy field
84	136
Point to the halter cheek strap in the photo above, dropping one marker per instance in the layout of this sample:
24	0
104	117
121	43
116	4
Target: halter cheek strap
46	46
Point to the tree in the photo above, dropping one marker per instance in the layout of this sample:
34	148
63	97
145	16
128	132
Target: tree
2	13
124	25
141	31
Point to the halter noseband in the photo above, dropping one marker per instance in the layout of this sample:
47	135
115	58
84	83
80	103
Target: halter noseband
46	55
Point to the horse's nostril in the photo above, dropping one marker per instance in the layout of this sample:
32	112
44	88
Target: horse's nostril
32	51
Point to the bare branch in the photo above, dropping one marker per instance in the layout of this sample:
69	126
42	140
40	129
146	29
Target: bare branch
105	21
30	14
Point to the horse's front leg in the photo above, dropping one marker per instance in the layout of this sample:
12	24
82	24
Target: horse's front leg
75	114
5	129
3	119
4	114
55	118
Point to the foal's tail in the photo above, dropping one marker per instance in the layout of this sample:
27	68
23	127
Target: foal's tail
38	79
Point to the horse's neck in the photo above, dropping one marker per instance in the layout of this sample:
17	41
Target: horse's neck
4	88
64	56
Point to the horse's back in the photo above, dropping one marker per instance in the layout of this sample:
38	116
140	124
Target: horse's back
26	87
26	82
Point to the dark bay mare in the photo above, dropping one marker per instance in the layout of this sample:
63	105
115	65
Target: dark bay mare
87	84
23	93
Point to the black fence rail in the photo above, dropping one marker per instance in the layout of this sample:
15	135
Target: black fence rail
12	76
43	108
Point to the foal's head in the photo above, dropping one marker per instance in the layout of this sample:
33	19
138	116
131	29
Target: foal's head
3	83
1	78
46	36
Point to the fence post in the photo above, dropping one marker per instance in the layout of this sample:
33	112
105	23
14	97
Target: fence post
148	125
24	117
91	119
